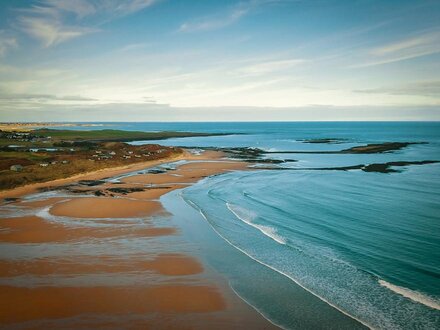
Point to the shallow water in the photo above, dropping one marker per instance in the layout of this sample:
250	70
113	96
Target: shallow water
365	243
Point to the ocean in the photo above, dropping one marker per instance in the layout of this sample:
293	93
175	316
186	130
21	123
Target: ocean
367	244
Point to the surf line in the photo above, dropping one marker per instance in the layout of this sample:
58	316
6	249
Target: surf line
411	294
276	270
268	231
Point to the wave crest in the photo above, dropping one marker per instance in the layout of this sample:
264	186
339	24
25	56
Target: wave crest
411	294
247	216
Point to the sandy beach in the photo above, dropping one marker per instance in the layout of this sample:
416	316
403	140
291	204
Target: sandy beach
153	282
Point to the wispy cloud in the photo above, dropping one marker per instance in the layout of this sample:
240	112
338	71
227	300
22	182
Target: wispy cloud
271	66
43	97
134	47
56	21
6	42
19	101
408	45
80	8
228	18
51	32
213	23
416	46
128	7
424	88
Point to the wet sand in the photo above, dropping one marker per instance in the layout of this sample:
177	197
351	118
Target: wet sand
18	304
92	207
155	193
43	203
188	173
133	267
165	264
37	230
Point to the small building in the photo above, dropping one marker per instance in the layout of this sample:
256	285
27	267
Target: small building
65	162
16	168
44	164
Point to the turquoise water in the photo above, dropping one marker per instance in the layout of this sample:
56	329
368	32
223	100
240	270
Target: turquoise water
367	244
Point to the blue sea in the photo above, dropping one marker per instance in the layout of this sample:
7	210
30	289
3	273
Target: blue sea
367	244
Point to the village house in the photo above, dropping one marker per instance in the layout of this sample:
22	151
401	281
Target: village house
16	168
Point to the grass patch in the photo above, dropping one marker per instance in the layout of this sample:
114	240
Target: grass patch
112	135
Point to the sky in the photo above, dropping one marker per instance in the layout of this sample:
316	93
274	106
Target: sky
249	60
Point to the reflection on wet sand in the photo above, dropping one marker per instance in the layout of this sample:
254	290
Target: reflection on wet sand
171	264
168	285
33	229
18	304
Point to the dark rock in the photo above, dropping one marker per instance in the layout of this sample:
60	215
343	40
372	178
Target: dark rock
10	199
91	183
156	171
324	141
125	191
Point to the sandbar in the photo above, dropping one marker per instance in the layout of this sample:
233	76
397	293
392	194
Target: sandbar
32	229
98	207
165	264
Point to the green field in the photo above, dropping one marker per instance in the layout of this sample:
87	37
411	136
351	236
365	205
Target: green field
112	135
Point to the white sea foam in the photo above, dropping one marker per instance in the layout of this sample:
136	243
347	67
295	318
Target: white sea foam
247	216
278	271
271	149
411	294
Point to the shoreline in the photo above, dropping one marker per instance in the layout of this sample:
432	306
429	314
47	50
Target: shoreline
306	304
65	221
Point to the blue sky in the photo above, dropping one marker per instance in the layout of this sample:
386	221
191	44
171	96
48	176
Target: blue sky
219	60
